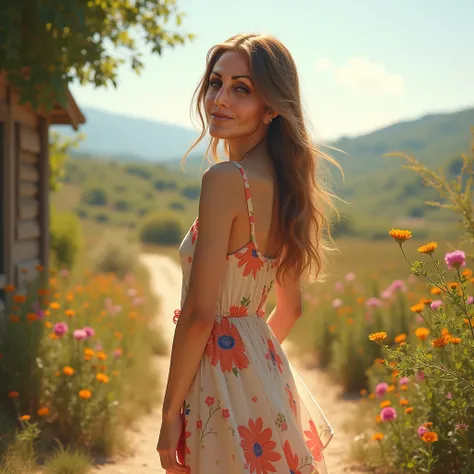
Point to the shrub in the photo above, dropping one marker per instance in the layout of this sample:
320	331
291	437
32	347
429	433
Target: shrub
176	206
163	185
95	196
102	217
191	191
113	253
66	238
161	229
123	205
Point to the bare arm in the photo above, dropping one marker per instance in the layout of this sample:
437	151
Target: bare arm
216	214
288	306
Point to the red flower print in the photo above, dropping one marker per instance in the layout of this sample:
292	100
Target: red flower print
254	399
247	193
291	459
236	311
225	346
263	301
314	443
182	448
194	231
199	425
177	313
210	401
249	259
273	356
291	399
258	447
225	413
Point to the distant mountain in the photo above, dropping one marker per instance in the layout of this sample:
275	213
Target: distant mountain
131	138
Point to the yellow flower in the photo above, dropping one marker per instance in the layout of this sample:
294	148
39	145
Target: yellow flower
409	410
400	338
422	333
85	394
377	436
43	411
441	341
378	336
14	394
430	247
25	417
400	235
435	291
385	404
102	378
429	437
68	370
417	308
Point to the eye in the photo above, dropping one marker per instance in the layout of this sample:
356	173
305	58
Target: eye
243	89
214	83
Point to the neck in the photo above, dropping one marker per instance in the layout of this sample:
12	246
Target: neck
238	149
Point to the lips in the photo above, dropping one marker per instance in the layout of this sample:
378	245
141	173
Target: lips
221	116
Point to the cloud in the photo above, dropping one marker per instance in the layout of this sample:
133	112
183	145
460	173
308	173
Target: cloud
368	78
323	64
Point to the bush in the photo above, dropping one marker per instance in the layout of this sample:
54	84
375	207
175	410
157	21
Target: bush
176	206
163	185
66	238
123	205
191	191
95	196
113	253
81	212
161	229
102	217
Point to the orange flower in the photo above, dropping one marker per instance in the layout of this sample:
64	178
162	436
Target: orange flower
102	378
435	291
67	370
385	404
291	458
445	332
9	288
250	260
409	410
43	292
426	301
400	338
378	419
428	424
39	268
453	285
363	392
441	341
85	394
422	333
48	324
31	317
360	300
429	437
14	318
417	308
377	436
258	446
404	402
378	336
237	311
70	313
455	340
372	395
43	411
313	442
466	274
471	322
53	336
404	387
54	305
19	298
25	417
101	355
391	388
429	248
400	235
14	394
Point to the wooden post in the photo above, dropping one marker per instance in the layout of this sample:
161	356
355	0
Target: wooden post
44	170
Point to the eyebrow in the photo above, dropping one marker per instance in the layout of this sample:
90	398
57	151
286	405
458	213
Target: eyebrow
233	77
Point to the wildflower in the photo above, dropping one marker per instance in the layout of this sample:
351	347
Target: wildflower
363	392
9	288
404	402
14	318
398	285
462	427
43	411
391	388
67	370
336	303
440	341
455	340
89	331
388	414
117	353
422	333
435	291
470	300
400	338
427	424
420	376
429	437
85	394
426	301
428	248
404	387
55	305
400	235
18	298
422	429
101	355
378	419
350	276
338	286
455	259
417	308
409	410
404	381
373	302
378	336
453	285
25	417
377	436
60	329
14	394
31	317
385	403
102	378
79	334
449	396
436	304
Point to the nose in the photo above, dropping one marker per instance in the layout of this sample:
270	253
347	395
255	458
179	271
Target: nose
222	98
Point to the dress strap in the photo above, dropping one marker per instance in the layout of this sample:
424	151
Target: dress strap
249	202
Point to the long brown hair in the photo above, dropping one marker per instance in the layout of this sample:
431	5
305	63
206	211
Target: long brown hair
305	230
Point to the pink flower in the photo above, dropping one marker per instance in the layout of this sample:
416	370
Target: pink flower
436	304
60	329
117	353
381	389
339	286
404	381
470	300
350	276
337	303
79	334
64	272
89	331
388	414
225	413
462	426
422	430
132	292
210	401
398	285
449	396
386	294
373	302
455	259
284	426
420	376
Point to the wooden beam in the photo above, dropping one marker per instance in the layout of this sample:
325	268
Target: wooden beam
28	208
44	178
29	140
29	173
26	230
28	189
27	157
26	250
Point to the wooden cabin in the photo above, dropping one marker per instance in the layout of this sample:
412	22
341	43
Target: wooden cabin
24	182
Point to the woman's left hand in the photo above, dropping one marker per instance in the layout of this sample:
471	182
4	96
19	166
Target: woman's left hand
168	445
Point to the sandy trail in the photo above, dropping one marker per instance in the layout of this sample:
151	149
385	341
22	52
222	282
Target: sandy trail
166	284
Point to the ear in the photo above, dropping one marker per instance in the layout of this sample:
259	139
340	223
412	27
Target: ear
269	116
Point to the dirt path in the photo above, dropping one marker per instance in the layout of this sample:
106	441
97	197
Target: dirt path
166	283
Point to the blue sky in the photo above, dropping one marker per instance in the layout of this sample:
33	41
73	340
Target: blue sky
362	64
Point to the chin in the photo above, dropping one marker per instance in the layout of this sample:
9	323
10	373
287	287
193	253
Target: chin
220	133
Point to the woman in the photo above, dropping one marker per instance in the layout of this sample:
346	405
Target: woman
233	403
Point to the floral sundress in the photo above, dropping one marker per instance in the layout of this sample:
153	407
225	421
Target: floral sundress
247	410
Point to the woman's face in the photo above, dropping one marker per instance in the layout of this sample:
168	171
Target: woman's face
233	108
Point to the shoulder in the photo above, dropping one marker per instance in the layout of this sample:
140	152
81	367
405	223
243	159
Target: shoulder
223	175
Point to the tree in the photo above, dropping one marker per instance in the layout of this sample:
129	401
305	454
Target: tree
45	46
